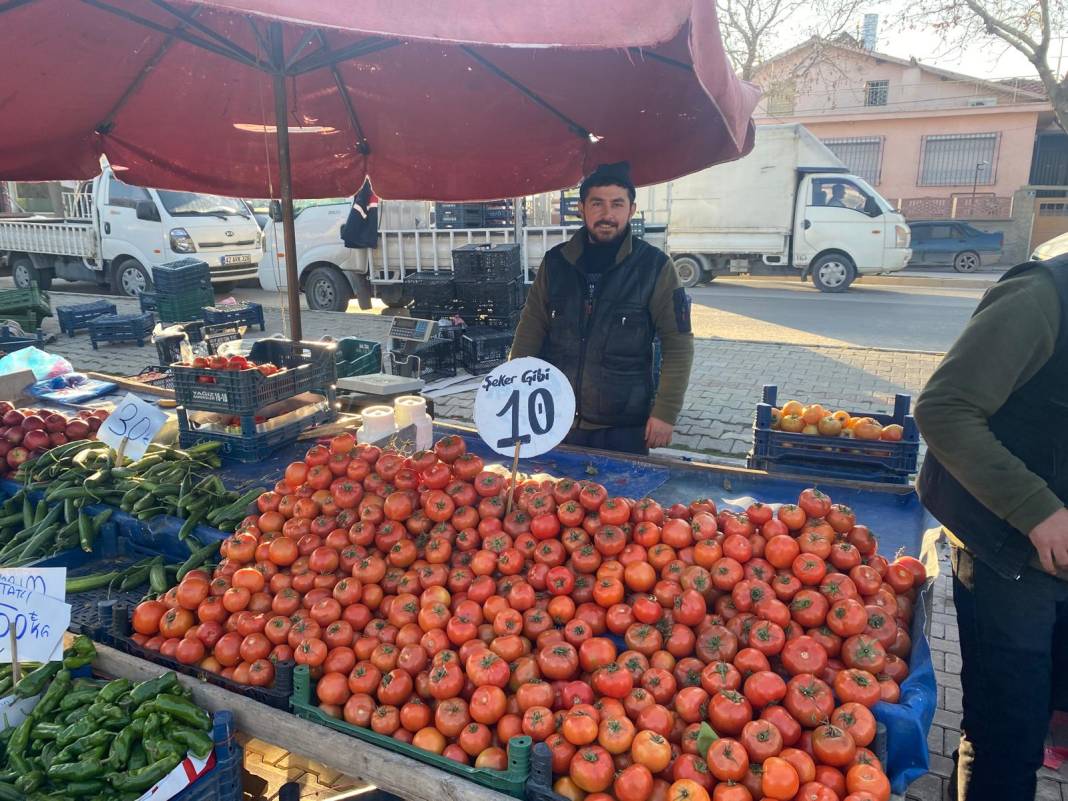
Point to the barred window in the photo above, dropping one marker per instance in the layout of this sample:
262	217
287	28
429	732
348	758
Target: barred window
863	155
876	93
959	159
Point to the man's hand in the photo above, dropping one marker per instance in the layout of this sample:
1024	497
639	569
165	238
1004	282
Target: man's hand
1050	538
658	433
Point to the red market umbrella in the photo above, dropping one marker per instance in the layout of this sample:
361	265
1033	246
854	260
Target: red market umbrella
431	99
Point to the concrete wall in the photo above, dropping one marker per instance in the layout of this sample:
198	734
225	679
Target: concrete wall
903	146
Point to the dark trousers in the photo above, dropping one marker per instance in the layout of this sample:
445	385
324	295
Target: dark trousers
622	440
1014	648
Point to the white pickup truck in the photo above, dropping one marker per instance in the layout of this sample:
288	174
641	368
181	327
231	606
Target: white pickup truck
113	233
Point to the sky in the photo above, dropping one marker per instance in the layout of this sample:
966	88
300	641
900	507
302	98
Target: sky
981	60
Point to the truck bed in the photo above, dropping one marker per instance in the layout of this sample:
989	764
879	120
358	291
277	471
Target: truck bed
50	235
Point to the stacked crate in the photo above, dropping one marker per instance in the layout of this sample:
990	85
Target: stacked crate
489	284
27	307
183	289
434	295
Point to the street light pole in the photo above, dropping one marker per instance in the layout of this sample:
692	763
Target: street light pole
975	182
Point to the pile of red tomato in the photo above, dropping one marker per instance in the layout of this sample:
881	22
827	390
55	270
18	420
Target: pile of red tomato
689	654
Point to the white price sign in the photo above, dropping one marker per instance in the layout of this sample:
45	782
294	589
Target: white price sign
38	621
134	420
526	402
50	581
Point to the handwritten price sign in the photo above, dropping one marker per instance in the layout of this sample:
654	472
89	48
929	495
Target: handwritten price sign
525	402
135	421
38	621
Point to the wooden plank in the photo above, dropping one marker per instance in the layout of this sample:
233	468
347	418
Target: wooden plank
392	772
133	386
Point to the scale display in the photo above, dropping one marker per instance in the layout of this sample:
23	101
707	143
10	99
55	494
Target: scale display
411	329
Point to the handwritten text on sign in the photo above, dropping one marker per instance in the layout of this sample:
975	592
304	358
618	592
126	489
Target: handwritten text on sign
38	621
134	420
45	580
525	402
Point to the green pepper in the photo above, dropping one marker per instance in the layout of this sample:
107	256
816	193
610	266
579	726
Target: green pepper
48	753
8	792
113	689
78	698
143	778
76	731
147	690
84	789
53	695
28	782
16	746
18	763
45	731
119	754
183	710
34	683
75	771
196	742
138	757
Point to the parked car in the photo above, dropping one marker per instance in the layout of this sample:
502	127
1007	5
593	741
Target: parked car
938	242
1057	246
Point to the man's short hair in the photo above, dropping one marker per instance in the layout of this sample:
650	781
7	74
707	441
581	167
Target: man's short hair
617	174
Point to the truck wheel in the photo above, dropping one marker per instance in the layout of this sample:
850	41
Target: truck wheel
24	273
833	273
130	278
327	290
393	295
689	271
966	261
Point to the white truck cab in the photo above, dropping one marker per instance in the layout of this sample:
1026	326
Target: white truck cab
113	233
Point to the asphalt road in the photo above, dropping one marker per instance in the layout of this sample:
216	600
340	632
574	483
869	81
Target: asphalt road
897	315
894	316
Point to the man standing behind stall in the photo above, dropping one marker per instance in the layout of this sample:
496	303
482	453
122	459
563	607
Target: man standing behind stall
594	309
996	476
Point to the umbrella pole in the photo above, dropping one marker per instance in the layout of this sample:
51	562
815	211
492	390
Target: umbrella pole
281	124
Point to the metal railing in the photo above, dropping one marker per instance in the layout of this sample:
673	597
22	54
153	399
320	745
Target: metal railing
78	205
57	238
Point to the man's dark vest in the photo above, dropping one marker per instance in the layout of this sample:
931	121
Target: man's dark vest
605	348
1029	425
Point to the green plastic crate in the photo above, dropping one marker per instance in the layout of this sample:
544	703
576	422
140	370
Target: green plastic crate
511	782
189	306
18	301
29	320
358	357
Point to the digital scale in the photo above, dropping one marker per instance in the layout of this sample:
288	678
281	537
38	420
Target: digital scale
406	334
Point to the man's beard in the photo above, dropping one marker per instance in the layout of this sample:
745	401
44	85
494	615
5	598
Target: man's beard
606	235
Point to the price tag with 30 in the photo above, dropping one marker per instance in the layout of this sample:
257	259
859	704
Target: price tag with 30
134	420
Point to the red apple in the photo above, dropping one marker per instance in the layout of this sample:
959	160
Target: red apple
36	439
57	438
5	407
33	423
94	423
14	435
77	429
101	414
55	422
13	417
16	456
5	446
84	414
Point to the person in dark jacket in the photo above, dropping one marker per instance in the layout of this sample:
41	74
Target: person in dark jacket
996	477
594	310
360	233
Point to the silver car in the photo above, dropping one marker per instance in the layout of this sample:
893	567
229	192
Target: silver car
1054	247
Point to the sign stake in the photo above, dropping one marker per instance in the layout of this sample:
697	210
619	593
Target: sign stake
511	483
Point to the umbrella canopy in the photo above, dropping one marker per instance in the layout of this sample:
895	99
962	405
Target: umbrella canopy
432	99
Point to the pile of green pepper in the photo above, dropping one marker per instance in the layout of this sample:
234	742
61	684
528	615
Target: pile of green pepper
90	740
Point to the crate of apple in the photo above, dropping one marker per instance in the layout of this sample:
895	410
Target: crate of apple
814	419
27	433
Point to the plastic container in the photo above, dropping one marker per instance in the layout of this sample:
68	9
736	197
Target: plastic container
117	634
188	305
222	782
836	457
511	781
254	447
181	274
489	297
432	291
308	366
482	349
358	357
17	301
155	376
487	263
243	313
72	318
122	328
505	322
437	359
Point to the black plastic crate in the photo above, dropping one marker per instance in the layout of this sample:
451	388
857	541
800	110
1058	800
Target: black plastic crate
252	447
308	366
243	313
437	360
431	312
155	376
483	349
117	635
836	457
122	328
506	322
431	290
181	275
71	318
487	262
489	297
